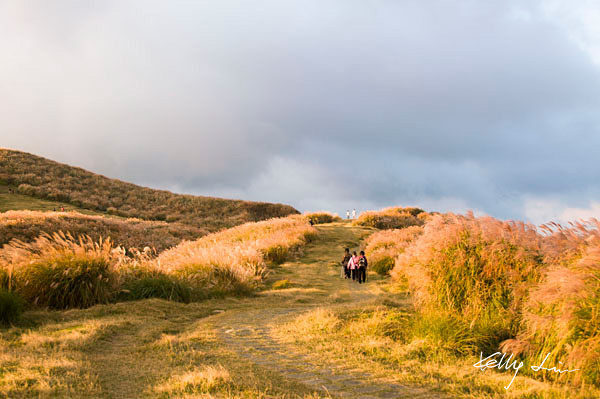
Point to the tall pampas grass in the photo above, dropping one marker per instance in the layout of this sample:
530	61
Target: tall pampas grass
562	313
236	258
512	287
476	270
60	271
384	246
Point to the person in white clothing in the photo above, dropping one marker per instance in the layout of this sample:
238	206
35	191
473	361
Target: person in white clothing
354	213
348	214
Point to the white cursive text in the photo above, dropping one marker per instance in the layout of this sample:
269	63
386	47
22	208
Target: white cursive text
491	362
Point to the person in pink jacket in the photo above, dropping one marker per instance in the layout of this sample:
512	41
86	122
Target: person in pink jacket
353	265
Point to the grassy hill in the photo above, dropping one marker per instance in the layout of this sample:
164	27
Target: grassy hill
45	184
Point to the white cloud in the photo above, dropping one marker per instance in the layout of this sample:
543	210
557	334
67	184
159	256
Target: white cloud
541	210
581	19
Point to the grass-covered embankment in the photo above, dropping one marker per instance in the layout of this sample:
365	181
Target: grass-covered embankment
60	271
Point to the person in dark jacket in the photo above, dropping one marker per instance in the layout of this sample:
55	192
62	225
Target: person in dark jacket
345	271
362	267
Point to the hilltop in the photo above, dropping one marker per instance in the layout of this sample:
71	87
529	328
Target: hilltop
26	176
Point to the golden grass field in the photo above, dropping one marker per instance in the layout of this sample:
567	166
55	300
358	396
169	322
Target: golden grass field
128	233
305	333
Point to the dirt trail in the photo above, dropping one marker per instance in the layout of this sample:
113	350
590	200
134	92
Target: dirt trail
248	330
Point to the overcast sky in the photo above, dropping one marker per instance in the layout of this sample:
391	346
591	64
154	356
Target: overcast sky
449	105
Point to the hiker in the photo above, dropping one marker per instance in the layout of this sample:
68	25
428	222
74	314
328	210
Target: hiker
362	267
353	265
354	213
348	214
347	257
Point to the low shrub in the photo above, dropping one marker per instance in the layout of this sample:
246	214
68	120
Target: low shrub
11	306
322	217
391	218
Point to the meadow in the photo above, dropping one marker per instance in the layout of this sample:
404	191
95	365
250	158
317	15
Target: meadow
259	310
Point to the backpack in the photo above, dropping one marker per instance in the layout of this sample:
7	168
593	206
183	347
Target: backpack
362	262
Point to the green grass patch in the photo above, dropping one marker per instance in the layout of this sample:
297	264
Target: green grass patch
383	266
161	286
281	284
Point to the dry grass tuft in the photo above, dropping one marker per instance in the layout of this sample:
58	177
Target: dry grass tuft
206	379
322	217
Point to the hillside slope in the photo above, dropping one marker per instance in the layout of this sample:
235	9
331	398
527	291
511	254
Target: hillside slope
38	177
129	233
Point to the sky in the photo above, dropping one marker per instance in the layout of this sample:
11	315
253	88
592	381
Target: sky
324	105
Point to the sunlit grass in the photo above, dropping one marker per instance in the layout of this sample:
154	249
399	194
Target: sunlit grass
393	218
26	226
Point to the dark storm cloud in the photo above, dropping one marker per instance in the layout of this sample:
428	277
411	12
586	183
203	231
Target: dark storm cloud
453	105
